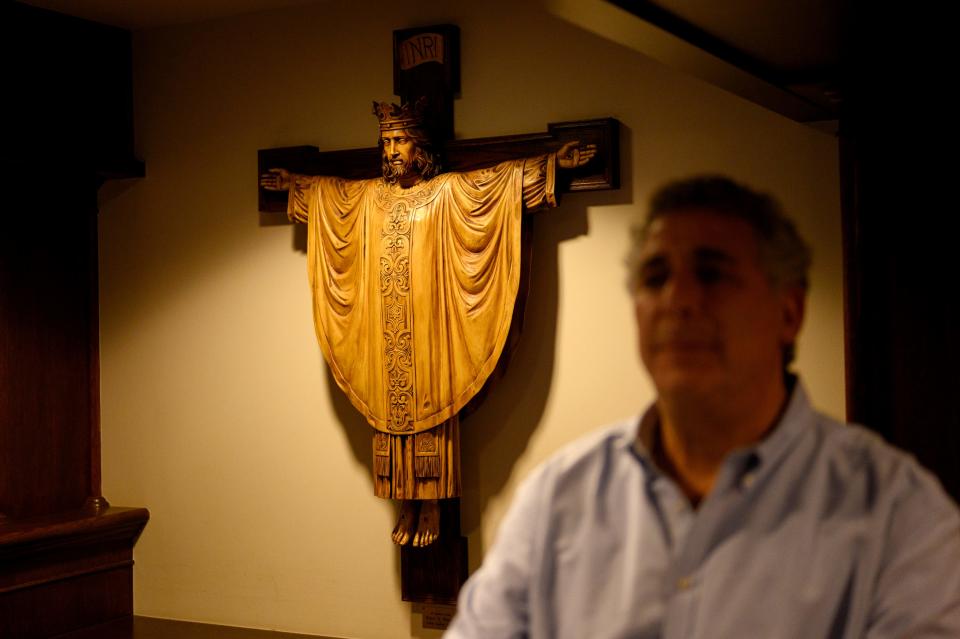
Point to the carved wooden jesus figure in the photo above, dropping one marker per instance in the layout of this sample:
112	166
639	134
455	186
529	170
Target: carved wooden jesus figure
414	277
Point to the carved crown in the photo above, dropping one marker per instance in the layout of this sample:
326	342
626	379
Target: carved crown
393	117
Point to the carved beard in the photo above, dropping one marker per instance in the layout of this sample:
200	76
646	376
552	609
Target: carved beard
393	173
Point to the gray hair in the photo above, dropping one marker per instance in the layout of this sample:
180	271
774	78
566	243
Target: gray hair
784	255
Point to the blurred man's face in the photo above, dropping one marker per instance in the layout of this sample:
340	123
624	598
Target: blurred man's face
399	150
708	316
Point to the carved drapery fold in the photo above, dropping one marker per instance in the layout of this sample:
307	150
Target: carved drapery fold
414	288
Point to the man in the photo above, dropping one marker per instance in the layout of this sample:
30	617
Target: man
414	277
730	508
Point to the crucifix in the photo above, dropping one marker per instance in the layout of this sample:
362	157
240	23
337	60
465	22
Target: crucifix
416	272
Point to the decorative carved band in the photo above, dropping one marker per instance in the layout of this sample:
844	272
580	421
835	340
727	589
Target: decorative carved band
426	454
397	324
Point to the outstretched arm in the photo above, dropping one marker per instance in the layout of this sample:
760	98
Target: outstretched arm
297	187
275	180
571	155
538	173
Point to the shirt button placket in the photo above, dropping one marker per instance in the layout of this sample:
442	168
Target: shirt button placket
680	619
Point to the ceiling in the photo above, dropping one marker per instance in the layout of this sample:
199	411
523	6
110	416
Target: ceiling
784	55
148	14
781	54
793	37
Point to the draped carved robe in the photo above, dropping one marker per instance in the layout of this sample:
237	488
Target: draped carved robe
413	293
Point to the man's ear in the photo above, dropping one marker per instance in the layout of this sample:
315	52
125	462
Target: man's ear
793	301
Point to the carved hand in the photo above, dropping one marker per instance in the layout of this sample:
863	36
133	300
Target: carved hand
571	155
276	180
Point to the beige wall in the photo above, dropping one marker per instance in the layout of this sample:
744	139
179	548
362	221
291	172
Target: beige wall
218	412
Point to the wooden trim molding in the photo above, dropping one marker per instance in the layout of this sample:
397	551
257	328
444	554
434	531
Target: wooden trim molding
151	628
59	573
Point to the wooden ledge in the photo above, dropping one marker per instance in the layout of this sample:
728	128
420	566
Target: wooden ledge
39	550
151	628
17	533
20	539
64	572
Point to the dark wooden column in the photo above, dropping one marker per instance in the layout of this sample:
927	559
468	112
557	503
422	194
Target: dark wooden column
901	254
66	556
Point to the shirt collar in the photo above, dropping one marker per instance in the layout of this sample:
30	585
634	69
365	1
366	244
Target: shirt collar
638	439
795	417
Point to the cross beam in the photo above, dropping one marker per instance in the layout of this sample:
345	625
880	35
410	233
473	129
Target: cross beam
601	173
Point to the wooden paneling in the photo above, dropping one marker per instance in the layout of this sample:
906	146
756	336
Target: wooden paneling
47	366
67	571
902	314
66	558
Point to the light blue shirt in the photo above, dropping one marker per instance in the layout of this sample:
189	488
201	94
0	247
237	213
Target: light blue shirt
820	530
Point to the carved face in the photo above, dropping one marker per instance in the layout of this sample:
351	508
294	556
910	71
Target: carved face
399	152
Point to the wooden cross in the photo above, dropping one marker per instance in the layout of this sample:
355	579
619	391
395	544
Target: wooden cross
426	64
602	173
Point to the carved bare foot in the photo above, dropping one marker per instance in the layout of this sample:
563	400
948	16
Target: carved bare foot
428	529
406	522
